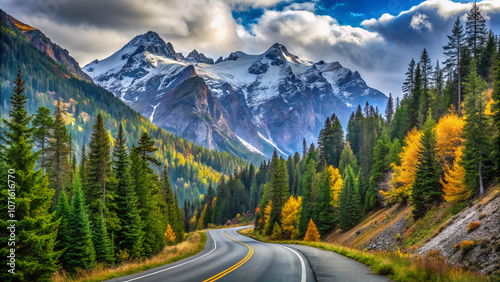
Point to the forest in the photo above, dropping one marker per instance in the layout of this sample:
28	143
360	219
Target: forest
440	142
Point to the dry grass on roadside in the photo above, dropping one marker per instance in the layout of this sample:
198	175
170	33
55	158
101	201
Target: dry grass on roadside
396	265
192	245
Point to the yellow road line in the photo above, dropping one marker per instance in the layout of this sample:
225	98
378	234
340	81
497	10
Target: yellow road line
232	268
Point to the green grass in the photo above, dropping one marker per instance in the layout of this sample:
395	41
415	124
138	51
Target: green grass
397	266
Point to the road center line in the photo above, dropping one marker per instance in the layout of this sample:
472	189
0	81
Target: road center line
184	263
234	267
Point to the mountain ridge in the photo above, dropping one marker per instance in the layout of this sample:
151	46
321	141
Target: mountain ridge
268	101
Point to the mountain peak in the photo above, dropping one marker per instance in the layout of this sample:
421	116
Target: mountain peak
196	57
279	54
154	44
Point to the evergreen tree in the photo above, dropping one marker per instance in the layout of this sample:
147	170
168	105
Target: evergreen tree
36	229
409	82
279	189
355	131
103	245
309	192
145	147
80	252
426	69
42	123
98	168
454	50
63	214
325	209
476	32
208	200
82	170
426	188
130	236
350	206
58	154
381	165
496	117
331	142
389	111
488	55
347	158
476	131
438	93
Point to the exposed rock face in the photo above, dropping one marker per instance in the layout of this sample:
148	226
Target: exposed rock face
267	101
485	255
44	44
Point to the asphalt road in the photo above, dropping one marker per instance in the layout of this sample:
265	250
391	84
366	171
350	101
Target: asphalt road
230	256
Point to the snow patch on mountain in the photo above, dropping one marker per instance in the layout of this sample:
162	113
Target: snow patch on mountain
249	146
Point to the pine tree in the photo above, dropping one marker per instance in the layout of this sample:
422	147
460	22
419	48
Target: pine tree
347	158
36	229
426	69
80	252
63	213
330	142
389	111
426	188
309	184
208	200
42	123
409	82
475	30
130	236
438	93
146	146
312	234
496	117
103	249
381	165
355	131
350	206
279	189
476	131
487	57
58	154
325	209
454	51
82	170
98	168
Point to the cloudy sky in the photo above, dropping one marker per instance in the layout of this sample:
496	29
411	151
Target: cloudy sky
377	38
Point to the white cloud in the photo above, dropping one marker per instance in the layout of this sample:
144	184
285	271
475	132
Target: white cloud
419	22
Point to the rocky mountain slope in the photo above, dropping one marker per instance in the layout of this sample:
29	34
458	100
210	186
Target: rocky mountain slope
262	102
54	51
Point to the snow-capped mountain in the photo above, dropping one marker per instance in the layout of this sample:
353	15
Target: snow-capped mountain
260	102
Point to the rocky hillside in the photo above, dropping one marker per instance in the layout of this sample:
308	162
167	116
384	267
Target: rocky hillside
469	238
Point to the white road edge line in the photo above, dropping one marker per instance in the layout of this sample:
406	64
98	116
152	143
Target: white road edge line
302	264
159	271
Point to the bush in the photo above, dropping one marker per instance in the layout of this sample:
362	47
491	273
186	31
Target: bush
466	246
473	226
481	216
397	237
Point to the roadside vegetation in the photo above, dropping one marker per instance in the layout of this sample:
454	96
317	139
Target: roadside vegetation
396	265
194	243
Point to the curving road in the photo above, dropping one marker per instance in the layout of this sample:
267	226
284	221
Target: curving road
230	256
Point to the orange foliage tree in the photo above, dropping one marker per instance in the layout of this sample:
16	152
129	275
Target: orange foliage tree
290	215
312	234
335	184
169	235
448	138
404	174
453	183
267	214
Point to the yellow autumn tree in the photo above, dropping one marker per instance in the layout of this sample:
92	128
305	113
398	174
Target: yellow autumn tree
169	235
453	183
449	131
192	223
335	184
312	234
200	220
290	215
267	214
404	174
